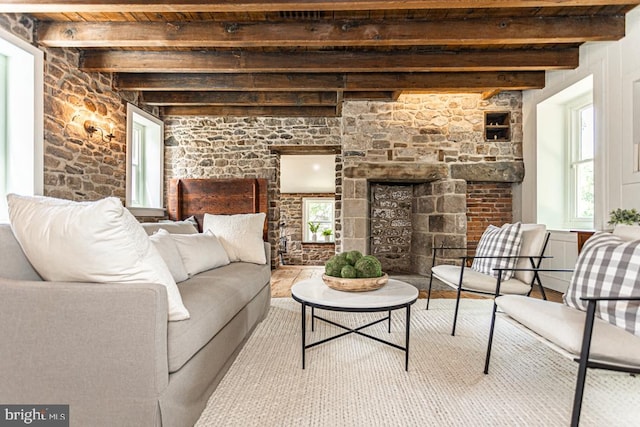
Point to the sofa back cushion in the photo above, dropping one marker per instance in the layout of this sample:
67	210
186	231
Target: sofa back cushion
89	242
496	243
608	266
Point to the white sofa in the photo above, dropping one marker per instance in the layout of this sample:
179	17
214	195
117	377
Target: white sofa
108	351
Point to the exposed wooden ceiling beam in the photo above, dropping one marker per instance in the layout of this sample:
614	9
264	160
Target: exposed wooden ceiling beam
490	94
494	31
436	82
326	61
370	96
314	99
156	6
205	110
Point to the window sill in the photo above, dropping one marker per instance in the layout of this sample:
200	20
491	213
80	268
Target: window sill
147	212
319	242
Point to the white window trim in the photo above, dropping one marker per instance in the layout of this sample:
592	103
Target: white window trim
143	211
305	220
574	108
33	131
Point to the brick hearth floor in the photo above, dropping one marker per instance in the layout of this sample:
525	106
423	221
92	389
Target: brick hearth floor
285	276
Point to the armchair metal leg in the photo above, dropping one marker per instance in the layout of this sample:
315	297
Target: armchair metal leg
429	291
433	263
544	295
583	363
455	313
490	342
493	323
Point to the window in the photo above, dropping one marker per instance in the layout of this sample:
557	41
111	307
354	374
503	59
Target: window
581	148
566	158
145	163
320	213
21	119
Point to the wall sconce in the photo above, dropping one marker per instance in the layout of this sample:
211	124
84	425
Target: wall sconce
91	127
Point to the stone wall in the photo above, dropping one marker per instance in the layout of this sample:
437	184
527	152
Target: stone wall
299	253
241	147
429	128
76	166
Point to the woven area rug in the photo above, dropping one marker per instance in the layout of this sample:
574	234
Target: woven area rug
355	381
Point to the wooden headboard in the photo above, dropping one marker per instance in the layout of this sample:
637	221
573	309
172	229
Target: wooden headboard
187	197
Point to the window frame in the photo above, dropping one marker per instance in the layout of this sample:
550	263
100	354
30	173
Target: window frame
153	137
22	163
306	233
574	108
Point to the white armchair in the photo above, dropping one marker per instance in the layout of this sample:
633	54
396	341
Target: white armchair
582	334
465	279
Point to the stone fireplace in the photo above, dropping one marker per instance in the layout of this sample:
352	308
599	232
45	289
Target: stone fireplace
400	211
391	211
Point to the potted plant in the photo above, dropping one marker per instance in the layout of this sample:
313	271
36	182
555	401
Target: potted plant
327	234
313	227
624	216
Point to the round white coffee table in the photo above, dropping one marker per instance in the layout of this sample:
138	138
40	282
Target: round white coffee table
393	296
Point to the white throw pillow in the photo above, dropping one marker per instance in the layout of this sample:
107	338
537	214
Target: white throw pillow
89	242
169	252
240	235
200	252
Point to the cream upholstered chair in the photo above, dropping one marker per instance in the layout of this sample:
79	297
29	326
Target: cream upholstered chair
598	325
465	279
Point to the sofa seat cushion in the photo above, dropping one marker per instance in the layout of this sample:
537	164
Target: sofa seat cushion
564	327
213	298
476	281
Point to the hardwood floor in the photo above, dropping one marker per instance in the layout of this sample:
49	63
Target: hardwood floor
286	276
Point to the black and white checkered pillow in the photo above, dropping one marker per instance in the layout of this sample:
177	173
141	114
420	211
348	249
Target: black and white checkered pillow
608	266
498	242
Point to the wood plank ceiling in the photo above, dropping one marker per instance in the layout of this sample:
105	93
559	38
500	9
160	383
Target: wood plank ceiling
289	57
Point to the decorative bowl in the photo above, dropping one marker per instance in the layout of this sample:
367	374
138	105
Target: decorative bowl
355	285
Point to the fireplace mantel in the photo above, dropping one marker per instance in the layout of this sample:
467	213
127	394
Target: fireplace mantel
411	172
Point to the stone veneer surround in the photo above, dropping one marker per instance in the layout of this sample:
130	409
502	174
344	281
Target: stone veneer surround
438	216
434	143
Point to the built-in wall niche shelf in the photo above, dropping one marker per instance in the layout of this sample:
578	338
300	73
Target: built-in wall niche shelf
497	126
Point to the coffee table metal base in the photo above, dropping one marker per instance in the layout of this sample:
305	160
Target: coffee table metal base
357	330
